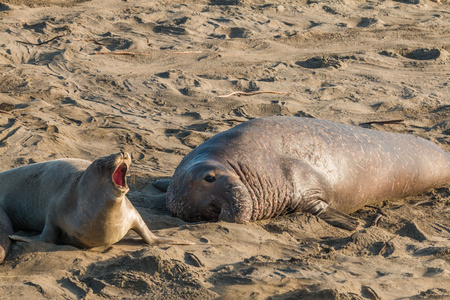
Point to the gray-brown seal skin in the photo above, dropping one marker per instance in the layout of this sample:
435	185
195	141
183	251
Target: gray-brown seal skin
74	201
277	165
6	229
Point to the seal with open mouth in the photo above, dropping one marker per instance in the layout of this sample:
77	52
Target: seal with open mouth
74	201
271	166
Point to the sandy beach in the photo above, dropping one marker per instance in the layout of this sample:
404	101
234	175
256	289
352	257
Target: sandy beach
88	78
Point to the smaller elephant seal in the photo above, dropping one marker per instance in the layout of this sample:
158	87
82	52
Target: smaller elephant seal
74	201
272	166
6	230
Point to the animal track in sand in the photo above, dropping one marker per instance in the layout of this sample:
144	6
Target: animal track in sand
46	27
171	27
171	30
32	3
250	111
421	53
115	43
4	7
370	22
318	62
223	32
224	2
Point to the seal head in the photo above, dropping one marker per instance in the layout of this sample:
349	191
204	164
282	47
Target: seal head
107	174
211	191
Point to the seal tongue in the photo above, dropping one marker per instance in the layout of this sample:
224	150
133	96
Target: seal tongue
119	175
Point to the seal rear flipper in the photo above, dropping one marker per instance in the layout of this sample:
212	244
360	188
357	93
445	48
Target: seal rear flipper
25	239
339	219
48	235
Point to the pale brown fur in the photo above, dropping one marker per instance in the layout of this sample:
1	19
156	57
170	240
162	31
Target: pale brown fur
73	201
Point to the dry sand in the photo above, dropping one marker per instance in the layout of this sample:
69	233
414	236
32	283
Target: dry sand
342	60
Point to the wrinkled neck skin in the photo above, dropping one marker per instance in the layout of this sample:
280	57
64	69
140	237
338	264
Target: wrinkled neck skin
193	198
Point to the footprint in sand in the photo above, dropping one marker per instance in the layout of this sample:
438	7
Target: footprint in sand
115	43
416	54
318	62
224	2
170	30
171	27
421	54
370	22
223	32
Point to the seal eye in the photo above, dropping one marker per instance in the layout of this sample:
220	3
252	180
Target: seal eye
210	178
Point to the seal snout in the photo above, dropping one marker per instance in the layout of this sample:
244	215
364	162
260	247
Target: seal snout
124	154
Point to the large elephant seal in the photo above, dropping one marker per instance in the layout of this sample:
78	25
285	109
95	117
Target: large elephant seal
74	201
276	165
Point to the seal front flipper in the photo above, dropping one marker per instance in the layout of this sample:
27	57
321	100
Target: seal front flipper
141	228
171	241
152	239
336	218
162	184
314	204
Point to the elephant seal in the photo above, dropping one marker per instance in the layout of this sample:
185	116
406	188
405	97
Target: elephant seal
277	165
74	201
6	229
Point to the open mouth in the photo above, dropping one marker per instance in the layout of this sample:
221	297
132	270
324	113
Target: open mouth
119	176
